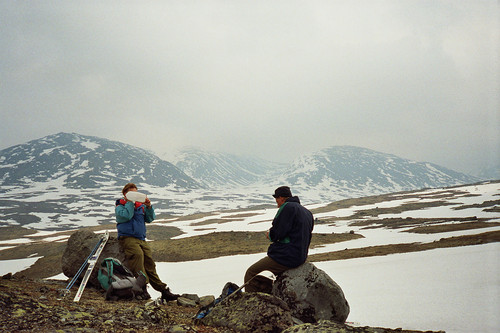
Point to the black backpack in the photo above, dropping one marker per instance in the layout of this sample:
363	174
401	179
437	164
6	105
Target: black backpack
119	282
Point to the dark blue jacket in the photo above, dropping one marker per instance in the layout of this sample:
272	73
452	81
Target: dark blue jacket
291	233
132	219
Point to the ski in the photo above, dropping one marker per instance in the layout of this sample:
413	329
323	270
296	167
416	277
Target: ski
64	292
91	261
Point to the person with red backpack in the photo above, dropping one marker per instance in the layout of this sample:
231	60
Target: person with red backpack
131	218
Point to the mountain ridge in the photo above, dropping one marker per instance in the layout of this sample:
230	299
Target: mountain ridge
346	170
362	171
83	159
68	180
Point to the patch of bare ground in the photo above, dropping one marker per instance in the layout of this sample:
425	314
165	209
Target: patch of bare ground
188	217
239	216
495	209
399	223
239	212
488	203
15	232
346	203
371	200
215	221
409	206
382	250
48	265
434	229
159	232
220	244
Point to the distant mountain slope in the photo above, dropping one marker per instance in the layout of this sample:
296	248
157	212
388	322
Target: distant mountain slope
490	173
353	171
86	162
66	181
215	169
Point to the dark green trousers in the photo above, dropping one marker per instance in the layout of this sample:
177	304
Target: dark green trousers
259	283
140	259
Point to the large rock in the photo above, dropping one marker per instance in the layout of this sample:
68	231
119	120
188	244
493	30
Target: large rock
78	248
311	294
250	312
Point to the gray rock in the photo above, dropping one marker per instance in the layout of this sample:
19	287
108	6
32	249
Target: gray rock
206	300
78	248
180	328
192	297
250	312
182	301
311	294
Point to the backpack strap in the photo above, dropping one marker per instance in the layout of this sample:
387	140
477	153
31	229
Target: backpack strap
105	275
109	266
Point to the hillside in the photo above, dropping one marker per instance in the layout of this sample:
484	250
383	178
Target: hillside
67	180
79	162
219	169
356	172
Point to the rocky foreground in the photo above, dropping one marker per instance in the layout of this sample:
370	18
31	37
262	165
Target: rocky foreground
28	305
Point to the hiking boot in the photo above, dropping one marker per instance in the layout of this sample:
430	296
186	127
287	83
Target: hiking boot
167	295
144	296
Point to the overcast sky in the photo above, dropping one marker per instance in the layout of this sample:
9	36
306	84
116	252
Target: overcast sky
270	79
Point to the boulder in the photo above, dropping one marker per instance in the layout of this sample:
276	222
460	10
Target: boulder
187	302
263	284
250	312
206	300
79	246
311	294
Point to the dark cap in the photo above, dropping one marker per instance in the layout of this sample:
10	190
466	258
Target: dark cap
282	191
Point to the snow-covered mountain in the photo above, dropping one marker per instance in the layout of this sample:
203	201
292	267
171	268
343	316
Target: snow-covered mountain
333	173
219	169
351	171
80	161
71	180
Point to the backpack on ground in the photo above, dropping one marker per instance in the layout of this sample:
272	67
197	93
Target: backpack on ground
119	282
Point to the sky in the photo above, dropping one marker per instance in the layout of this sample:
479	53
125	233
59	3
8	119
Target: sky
270	79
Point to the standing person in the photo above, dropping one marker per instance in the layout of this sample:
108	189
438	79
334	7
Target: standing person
290	235
131	218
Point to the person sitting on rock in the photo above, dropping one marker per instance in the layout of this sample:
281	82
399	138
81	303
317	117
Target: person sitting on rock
290	235
131	218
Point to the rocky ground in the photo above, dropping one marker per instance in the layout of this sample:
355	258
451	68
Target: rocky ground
28	305
34	305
